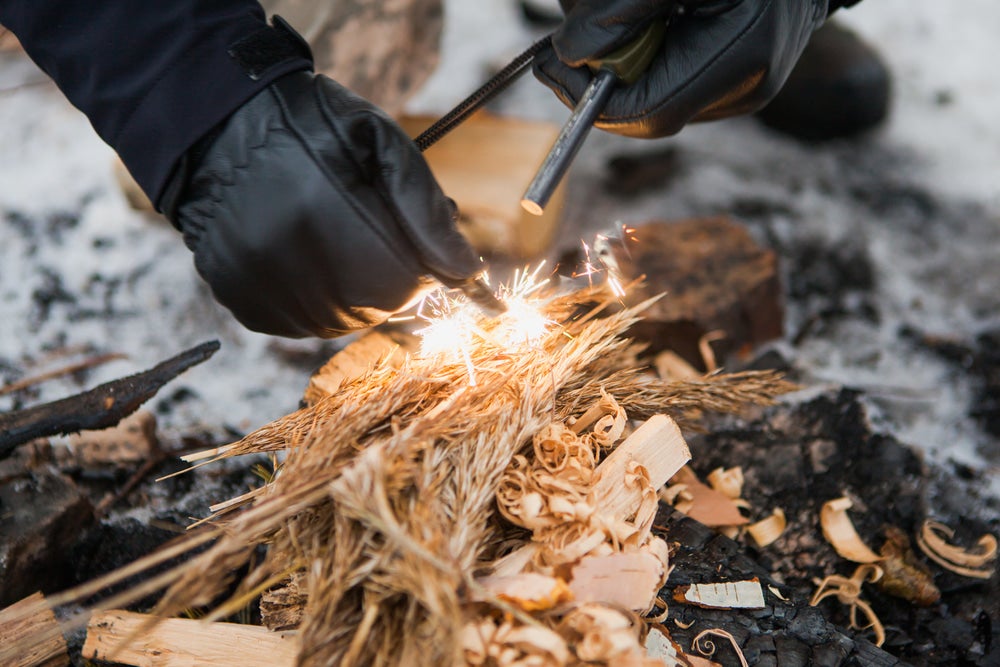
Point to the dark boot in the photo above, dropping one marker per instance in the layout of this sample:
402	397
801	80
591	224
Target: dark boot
839	88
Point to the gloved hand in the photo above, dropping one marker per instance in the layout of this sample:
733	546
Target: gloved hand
719	58
311	213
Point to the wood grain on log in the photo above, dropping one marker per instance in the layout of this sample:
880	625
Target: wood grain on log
145	641
32	620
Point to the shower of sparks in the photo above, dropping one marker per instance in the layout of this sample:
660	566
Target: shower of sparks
454	323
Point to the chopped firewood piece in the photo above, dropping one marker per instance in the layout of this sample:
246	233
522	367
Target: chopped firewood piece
629	580
357	358
848	592
718	278
724	595
903	575
529	590
30	635
657	445
147	641
839	531
933	541
703	503
766	531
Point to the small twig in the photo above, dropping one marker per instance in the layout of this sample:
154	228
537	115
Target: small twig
59	372
101	407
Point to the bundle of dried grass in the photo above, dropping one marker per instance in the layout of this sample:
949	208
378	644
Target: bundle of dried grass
385	505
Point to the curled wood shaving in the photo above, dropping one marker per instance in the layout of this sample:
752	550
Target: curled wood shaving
839	531
606	416
933	541
848	592
727	480
706	646
766	531
599	633
486	642
703	503
705	348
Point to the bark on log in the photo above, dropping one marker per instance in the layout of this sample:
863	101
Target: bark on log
715	277
101	407
31	618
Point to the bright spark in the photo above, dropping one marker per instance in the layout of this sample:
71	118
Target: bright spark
454	327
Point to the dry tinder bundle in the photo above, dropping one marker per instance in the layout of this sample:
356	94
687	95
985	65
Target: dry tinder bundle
387	515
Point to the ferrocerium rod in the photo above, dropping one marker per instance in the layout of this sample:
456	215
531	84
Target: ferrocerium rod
568	142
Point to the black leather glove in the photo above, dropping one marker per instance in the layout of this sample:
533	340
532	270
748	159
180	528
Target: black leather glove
719	58
311	213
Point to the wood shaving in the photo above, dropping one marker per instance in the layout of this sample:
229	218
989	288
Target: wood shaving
506	644
848	592
724	595
766	531
629	580
728	481
703	503
388	494
671	366
529	590
706	646
839	531
705	348
933	540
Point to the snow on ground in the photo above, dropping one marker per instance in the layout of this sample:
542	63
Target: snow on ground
920	198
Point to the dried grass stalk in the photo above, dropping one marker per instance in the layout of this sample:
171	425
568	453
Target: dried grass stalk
386	501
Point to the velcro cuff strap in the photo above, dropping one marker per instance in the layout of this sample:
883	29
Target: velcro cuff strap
269	47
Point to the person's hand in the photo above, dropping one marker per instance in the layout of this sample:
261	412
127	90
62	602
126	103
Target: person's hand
311	213
719	58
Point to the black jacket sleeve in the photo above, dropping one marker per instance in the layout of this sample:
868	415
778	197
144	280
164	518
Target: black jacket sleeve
154	76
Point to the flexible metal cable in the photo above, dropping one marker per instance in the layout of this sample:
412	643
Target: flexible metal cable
481	96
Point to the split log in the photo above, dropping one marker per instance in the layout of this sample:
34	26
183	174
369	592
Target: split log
101	407
657	445
485	164
717	279
146	641
31	620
